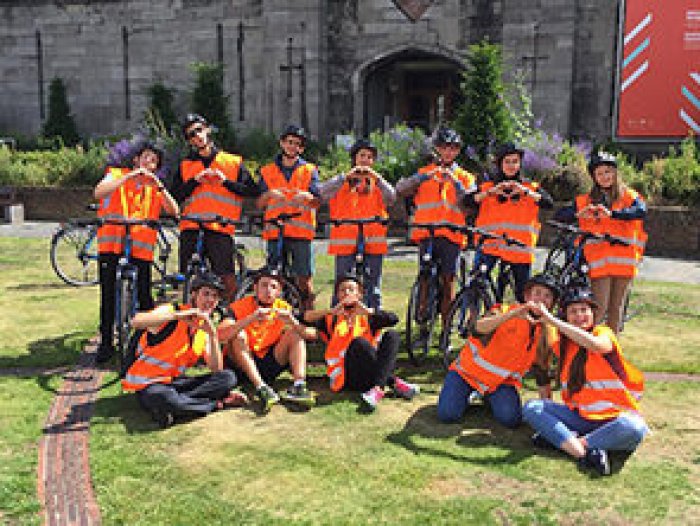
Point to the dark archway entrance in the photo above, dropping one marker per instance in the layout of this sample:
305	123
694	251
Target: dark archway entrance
415	87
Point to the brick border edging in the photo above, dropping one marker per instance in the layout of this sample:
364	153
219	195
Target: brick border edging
64	484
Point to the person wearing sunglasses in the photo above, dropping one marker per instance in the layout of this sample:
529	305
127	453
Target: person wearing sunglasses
210	182
290	185
509	204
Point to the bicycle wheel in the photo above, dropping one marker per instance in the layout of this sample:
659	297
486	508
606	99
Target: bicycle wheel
420	326
73	255
125	308
466	308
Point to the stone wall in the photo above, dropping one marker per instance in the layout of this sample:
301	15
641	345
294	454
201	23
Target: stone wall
674	231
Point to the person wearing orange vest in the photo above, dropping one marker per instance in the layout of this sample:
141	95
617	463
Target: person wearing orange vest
263	339
289	185
134	192
438	190
610	208
516	340
362	193
210	182
600	389
174	338
509	204
359	356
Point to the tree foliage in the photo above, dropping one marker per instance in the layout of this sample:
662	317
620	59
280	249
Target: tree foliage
60	124
210	101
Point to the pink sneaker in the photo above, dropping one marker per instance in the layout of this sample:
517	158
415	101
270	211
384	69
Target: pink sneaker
405	390
372	397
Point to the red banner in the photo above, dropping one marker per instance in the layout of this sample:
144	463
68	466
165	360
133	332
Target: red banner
659	70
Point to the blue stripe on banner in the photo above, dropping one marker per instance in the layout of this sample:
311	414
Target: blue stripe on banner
636	52
692	98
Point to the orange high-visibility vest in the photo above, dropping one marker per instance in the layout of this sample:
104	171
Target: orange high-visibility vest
164	355
506	357
604	394
436	201
342	334
302	227
350	204
131	200
208	199
606	259
262	335
517	219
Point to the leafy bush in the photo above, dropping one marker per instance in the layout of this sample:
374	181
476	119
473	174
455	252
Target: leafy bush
210	101
160	106
681	173
60	125
259	145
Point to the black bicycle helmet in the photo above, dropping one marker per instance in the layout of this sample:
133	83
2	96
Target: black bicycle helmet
507	148
193	118
444	136
544	280
207	279
362	144
578	295
295	131
350	276
267	272
600	159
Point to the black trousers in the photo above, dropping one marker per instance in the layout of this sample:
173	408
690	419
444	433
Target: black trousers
108	280
187	395
367	366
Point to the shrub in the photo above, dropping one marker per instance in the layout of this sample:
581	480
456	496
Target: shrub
160	107
681	173
210	101
60	124
259	145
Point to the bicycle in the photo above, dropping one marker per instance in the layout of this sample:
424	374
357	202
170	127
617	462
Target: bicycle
479	293
198	264
361	270
424	299
290	291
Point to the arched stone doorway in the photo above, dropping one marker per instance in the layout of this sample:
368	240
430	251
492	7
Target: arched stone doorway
415	86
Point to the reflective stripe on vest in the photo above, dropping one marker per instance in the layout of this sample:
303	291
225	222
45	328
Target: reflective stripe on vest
341	336
302	227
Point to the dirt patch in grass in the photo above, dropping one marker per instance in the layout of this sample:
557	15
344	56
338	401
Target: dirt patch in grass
482	484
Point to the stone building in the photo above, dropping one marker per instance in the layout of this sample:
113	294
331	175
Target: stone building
333	65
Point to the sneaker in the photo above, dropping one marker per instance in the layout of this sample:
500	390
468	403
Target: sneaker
267	396
405	390
299	394
164	419
372	397
105	352
233	399
541	442
597	459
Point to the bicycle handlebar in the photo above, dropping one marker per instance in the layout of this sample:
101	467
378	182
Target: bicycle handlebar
211	218
484	234
587	235
370	220
126	221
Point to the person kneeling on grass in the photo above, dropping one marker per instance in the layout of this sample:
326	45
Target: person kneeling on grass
264	339
174	338
516	340
600	390
359	357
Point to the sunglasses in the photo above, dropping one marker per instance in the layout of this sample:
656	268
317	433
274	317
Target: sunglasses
194	131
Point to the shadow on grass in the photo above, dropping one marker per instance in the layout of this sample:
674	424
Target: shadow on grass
477	431
49	352
41	286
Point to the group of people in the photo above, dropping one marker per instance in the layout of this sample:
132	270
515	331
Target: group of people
259	336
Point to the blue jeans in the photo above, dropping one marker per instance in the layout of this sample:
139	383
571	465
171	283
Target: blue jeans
454	400
373	277
557	423
521	273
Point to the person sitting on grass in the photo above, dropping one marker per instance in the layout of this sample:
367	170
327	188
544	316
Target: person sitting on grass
516	340
263	339
174	338
359	356
600	390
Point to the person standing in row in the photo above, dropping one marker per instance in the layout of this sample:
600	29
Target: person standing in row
289	185
128	193
210	182
610	208
438	190
509	204
362	193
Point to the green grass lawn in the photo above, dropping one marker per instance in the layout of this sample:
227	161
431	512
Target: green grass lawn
335	464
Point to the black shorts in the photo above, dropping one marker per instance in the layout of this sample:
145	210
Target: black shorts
217	248
267	366
445	253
